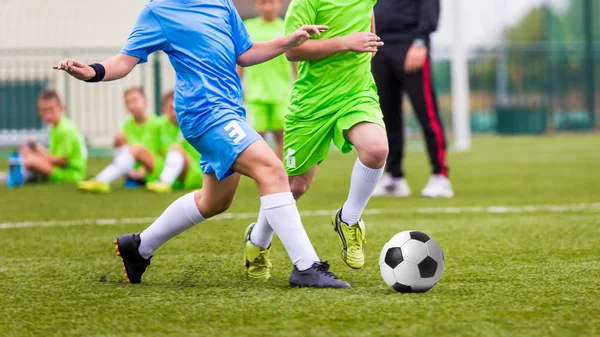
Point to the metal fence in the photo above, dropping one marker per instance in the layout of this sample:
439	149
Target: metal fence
97	109
519	88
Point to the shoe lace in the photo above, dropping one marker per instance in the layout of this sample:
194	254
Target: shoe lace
323	268
261	259
358	237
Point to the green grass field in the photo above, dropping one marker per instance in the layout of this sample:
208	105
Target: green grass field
528	269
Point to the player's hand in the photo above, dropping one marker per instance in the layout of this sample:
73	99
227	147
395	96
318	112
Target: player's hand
415	58
304	33
362	42
80	71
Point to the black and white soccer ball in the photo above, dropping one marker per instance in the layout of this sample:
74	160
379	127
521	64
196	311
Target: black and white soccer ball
411	261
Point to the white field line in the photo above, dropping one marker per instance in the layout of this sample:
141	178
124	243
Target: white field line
593	207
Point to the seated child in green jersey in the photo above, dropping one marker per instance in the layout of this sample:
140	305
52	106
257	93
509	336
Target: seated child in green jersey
182	161
267	86
136	147
65	159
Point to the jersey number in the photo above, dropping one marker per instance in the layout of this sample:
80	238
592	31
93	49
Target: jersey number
235	131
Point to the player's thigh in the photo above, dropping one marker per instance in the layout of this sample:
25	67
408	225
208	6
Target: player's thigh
306	144
260	115
216	195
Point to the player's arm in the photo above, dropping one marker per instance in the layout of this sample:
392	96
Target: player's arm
264	51
318	49
112	69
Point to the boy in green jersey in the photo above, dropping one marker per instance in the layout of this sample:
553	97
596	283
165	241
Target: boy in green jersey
65	159
267	85
182	161
333	99
137	147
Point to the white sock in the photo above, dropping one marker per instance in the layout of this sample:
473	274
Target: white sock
262	233
118	150
283	216
26	174
123	163
181	215
174	164
362	184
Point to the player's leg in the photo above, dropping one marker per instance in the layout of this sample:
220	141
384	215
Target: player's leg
123	163
419	86
365	131
177	164
306	145
35	164
189	210
277	123
388	75
279	208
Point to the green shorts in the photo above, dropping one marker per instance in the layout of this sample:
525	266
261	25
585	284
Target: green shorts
307	142
193	178
267	116
66	175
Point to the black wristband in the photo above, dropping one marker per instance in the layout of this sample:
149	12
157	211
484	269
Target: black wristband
100	72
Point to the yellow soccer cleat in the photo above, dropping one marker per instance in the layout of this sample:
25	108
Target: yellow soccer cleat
352	239
257	260
159	187
93	186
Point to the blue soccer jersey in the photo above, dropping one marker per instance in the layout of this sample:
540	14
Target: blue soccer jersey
203	39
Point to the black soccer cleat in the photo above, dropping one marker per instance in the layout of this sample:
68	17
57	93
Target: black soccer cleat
134	265
317	276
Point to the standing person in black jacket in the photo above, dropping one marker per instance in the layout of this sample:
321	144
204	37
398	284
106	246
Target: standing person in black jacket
403	65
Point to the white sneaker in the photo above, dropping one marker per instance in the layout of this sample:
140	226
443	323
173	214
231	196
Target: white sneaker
438	186
392	187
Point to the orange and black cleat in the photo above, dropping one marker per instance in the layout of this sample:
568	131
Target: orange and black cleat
134	265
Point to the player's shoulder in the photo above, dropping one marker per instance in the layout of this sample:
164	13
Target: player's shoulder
251	21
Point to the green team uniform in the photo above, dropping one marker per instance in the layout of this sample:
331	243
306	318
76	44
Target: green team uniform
148	136
170	135
193	177
332	94
65	141
268	85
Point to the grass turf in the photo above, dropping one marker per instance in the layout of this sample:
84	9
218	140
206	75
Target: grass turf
534	273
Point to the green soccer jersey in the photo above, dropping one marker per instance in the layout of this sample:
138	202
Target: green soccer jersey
65	141
147	135
336	82
169	135
268	82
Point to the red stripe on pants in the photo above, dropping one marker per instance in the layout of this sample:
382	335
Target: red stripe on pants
433	120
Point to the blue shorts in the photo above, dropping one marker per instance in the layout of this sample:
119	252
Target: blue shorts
222	143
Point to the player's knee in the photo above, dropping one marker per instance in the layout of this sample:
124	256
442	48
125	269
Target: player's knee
272	173
135	150
119	140
375	155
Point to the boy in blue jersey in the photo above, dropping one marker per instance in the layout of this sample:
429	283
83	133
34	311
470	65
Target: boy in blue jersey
204	40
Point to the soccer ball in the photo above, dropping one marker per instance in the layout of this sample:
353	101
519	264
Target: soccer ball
411	261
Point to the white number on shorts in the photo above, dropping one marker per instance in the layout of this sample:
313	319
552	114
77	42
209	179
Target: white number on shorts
290	159
235	131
